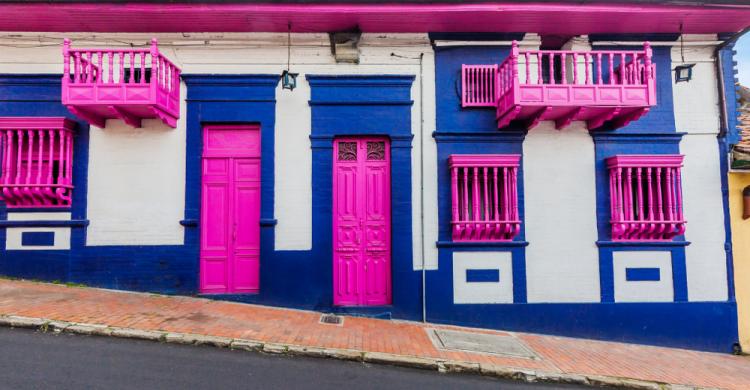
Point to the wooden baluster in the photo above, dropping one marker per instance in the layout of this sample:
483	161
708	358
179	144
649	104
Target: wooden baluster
506	196
551	57
659	204
640	193
612	195
650	195
143	67
466	194
475	205
98	75
599	67
19	156
611	68
29	156
66	61
40	158
69	160
496	207
121	66
587	60
539	77
528	67
575	68
647	61
131	66
110	71
563	76
486	195
668	192
629	194
620	200
623	76
50	157
89	67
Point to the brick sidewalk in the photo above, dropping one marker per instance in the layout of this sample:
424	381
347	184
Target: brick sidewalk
558	355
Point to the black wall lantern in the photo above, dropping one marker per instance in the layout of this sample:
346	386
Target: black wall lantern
683	72
289	79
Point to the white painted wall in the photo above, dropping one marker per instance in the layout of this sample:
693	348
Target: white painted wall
562	260
13	236
224	53
696	105
643	291
136	183
482	292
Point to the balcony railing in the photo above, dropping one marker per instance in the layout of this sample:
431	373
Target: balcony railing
597	87
484	197
37	161
128	84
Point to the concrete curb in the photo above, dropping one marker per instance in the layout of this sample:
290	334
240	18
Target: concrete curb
440	365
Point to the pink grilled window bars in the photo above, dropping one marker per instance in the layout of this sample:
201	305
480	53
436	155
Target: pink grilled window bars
484	197
562	85
129	84
37	161
645	197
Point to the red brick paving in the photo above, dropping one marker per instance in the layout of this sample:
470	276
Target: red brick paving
267	324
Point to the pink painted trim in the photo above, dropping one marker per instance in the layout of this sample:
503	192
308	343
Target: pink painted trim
645	197
128	84
542	18
484	197
30	148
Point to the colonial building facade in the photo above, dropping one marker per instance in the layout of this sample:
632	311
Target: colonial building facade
539	168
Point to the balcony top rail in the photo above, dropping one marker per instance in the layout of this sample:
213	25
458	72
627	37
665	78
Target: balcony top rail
91	66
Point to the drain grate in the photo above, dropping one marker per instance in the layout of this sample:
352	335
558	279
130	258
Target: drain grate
331	319
482	343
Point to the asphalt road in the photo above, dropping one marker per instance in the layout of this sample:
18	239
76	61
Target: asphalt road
34	360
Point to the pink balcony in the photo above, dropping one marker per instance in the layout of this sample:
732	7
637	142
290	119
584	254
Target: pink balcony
597	87
484	197
128	84
645	197
37	161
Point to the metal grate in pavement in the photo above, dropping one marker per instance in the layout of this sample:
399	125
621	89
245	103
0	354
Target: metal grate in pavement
331	319
481	343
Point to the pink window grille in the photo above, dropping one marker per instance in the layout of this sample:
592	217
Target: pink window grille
484	197
37	161
645	197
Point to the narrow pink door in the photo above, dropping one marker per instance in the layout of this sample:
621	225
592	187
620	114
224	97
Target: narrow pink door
230	210
361	221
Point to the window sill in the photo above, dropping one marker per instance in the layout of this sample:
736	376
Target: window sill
618	244
481	244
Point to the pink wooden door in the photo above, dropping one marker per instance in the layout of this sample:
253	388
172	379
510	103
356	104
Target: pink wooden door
230	210
361	221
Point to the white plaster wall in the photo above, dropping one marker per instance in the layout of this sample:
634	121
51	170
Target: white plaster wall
13	236
643	291
136	183
482	292
703	209
696	105
562	260
232	53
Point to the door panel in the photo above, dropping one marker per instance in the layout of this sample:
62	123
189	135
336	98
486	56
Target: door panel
361	219
230	210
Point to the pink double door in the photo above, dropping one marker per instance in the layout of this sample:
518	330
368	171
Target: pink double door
361	221
230	210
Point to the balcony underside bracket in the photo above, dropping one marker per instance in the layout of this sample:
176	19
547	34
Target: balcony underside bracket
504	119
635	115
126	116
565	120
597	122
537	117
169	120
88	116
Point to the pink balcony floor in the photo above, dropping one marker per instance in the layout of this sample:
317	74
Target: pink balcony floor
596	116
